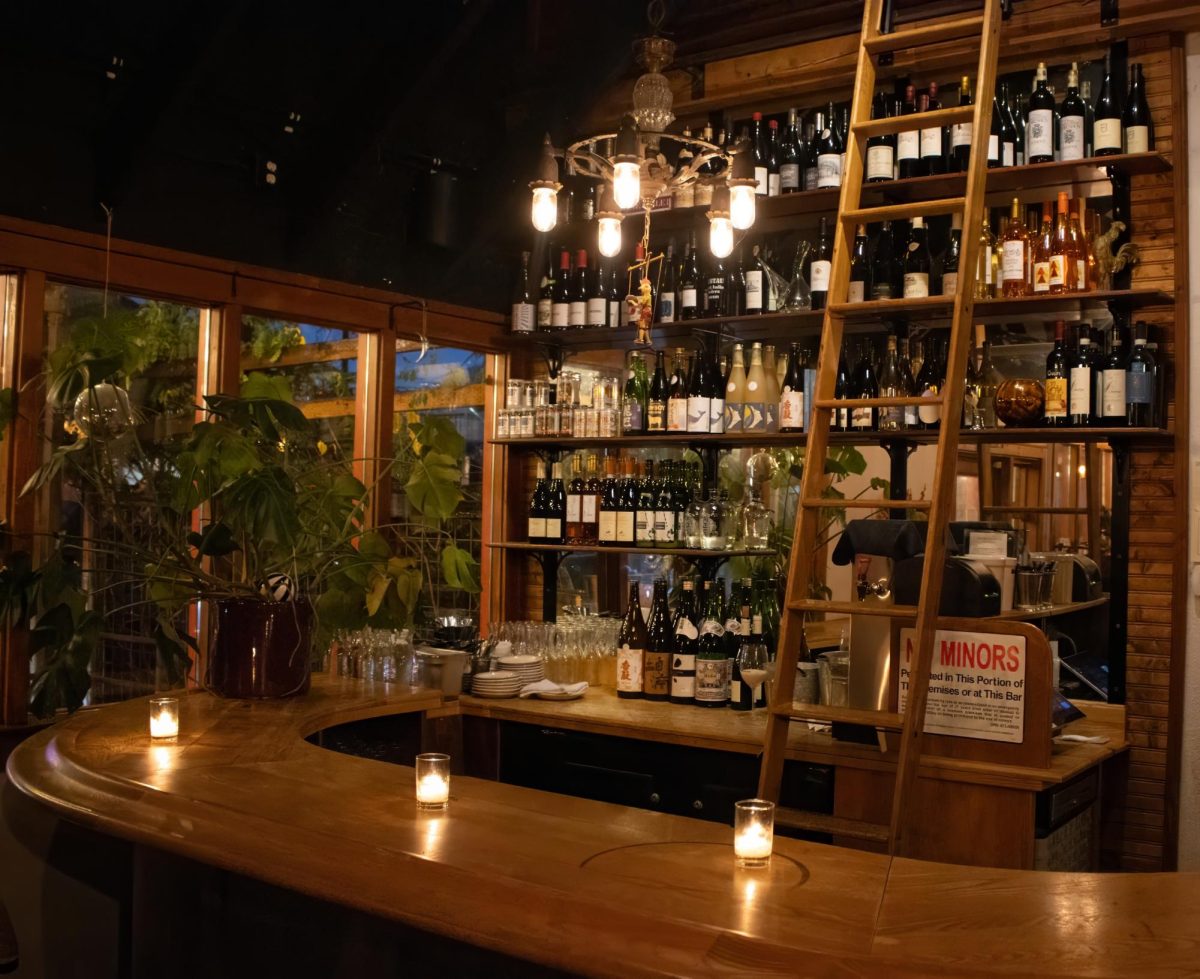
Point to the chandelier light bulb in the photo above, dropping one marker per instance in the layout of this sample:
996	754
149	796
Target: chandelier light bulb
544	211
627	185
610	237
741	206
720	237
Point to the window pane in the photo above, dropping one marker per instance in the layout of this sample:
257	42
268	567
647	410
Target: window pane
439	408
319	363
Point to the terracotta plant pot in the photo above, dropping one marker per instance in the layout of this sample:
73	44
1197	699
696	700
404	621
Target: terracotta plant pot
260	650
1020	402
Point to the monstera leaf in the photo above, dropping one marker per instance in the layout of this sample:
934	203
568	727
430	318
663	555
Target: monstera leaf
460	569
433	486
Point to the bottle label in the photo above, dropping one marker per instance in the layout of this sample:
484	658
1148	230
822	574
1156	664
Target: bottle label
1041	276
733	415
829	170
614	313
1137	139
760	180
987	268
523	317
630	663
754	416
880	162
789	176
735	691
908	145
537	528
607	532
1013	261
1113	394
643	526
666	307
656	416
929	414
683	678
554	528
1080	394
931	141
949	283
1080	274
1056	397
688	297
687	628
587	504
861	417
697	409
810	178
773	185
656	674
1039	133
754	290
1106	135
916	285
1058	270
1070	137
960	134
716	415
664	526
560	315
994	147
712	680
631	415
624	527
857	292
597	311
574	507
577	314
791	409
677	409
820	276
1139	387
1010	155
545	316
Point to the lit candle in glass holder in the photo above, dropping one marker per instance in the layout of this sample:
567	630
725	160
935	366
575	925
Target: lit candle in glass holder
753	832
433	781
164	718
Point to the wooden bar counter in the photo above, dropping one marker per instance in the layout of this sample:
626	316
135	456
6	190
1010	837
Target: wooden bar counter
570	884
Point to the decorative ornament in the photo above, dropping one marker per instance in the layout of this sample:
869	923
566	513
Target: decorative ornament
277	588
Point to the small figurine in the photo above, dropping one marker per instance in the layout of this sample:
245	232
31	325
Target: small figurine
640	309
1108	264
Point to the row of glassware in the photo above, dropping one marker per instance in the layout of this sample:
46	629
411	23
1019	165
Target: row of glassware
576	647
376	654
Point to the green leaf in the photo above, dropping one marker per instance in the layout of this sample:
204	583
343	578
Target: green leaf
433	486
460	569
373	546
379	586
263	505
271	387
216	540
438	434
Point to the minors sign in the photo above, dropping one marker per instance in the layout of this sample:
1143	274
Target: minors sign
976	684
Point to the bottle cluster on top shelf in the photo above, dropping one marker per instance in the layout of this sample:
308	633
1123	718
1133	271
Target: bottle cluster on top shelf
707	652
643	503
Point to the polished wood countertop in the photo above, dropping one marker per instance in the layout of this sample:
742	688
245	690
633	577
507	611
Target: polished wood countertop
584	886
601	711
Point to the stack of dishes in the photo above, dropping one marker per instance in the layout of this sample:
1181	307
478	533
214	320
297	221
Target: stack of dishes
496	683
530	669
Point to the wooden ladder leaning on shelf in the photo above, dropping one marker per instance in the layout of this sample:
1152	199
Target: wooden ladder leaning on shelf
782	712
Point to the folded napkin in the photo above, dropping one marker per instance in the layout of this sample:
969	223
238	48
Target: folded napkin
549	686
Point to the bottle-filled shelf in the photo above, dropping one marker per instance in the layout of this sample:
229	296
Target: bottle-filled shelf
692	552
935	308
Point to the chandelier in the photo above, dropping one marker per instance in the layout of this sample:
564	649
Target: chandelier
632	169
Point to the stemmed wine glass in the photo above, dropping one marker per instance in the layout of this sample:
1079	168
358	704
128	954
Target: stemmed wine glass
755	665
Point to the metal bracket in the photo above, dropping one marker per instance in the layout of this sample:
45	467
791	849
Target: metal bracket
1110	13
1121	211
554	357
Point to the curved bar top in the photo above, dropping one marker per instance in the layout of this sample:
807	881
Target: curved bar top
584	886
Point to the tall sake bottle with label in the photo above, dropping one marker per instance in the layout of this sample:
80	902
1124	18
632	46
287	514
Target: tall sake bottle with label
660	646
754	407
631	648
712	665
735	391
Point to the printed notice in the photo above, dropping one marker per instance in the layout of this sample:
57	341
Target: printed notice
976	684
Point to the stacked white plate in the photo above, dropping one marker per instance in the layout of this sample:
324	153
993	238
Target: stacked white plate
529	668
496	683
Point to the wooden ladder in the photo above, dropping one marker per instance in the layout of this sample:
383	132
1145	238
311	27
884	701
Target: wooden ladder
874	46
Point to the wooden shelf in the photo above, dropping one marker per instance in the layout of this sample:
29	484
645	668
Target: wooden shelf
1021	615
1155	436
940	307
651	551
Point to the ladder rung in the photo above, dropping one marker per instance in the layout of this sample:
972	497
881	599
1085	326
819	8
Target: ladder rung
936	119
915	401
915	37
906	210
854	608
820	502
844	715
816	822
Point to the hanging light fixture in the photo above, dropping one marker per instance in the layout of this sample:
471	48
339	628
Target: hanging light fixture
720	225
608	219
742	186
627	166
544	211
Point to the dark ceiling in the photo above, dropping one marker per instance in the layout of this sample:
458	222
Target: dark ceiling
419	124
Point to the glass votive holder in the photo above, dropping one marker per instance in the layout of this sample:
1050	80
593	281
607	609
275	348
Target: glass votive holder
433	781
753	832
164	718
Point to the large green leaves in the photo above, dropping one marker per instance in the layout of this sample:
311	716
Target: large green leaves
262	506
433	486
460	569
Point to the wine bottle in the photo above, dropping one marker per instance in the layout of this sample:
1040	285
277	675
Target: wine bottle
771	382
1057	380
790	180
660	646
881	149
524	312
576	533
712	668
666	529
698	394
615	294
560	309
647	506
908	143
545	302
985	283
538	504
631	648
683	663
755	283
590	503
597	299
1081	383
716	395
929	385
829	153
859	270
741	695
714	289
609	504
627	504
891	385
1106	131
577	310
735	391
840	422
864	385
995	157
633	401
758	142
1008	130
1042	252
689	283
677	399
556	506
953	255
754	408
961	133
791	398
1113	402
933	150
1139	127
1072	123
1018	113
1063	267
885	268
773	161
916	262
1015	255
819	265
656	404
668	293
1141	382
1039	125
990	381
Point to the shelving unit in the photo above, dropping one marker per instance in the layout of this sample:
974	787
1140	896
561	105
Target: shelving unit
694	552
